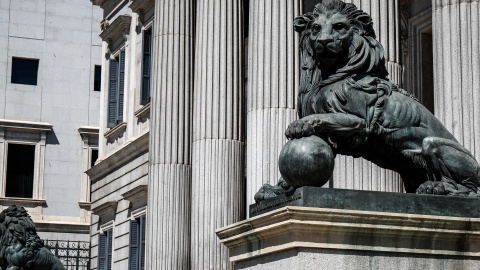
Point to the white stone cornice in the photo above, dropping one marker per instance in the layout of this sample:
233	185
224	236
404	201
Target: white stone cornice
136	193
119	28
143	111
117	129
88	131
105	208
25	126
140	6
119	158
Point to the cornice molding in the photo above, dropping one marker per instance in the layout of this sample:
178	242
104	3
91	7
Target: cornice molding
88	131
119	28
25	126
115	130
119	158
136	193
105	208
140	6
143	111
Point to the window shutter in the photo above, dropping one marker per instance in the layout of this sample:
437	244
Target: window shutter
142	242
121	86
109	249
134	237
146	66
112	93
102	242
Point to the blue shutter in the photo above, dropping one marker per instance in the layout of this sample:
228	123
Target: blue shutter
121	86
142	242
112	93
102	242
134	237
146	66
109	249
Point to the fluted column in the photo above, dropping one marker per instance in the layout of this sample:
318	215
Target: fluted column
273	78
358	173
218	147
168	215
456	66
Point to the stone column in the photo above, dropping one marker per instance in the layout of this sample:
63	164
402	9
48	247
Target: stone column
168	213
218	147
456	65
273	78
358	173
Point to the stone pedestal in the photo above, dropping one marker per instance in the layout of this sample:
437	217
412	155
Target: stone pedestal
296	237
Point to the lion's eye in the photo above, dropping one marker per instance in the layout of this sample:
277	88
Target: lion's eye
338	26
317	27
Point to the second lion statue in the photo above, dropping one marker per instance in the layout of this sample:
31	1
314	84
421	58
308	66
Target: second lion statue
346	99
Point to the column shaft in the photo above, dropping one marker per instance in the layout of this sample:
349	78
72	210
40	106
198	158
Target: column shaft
168	217
218	147
456	64
357	173
273	78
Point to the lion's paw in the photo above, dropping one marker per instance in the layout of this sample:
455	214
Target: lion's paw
298	129
432	187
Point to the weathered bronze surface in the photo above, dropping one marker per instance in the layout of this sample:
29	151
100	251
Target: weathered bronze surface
21	247
346	99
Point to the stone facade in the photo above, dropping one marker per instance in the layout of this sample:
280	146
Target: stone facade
57	115
181	157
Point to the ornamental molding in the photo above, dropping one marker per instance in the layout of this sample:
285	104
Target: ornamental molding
25	126
119	158
141	6
105	208
119	28
136	193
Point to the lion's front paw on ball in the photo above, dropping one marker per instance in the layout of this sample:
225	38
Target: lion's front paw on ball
432	187
299	129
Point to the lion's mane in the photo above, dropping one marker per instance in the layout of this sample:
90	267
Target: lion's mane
365	54
16	226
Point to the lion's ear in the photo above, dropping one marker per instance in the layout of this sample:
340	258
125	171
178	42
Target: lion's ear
300	23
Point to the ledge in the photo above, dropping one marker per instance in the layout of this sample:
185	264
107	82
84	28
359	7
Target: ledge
88	131
323	228
136	193
85	205
143	111
140	6
25	126
115	130
21	201
119	158
105	208
120	27
61	227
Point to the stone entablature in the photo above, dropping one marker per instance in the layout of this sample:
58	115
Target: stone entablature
116	32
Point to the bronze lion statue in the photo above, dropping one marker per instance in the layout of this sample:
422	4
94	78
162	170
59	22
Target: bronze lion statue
21	248
346	99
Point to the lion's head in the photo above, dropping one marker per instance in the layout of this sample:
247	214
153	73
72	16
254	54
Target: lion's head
337	40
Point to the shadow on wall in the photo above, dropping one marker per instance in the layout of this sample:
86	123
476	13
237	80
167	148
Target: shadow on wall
52	138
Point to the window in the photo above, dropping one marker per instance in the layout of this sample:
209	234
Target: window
22	159
146	66
105	247
20	170
115	90
94	157
137	244
24	71
97	80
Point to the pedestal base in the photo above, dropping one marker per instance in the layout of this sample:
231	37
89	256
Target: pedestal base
295	237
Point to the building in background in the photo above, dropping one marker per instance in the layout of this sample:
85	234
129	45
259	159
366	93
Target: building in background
181	113
49	112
